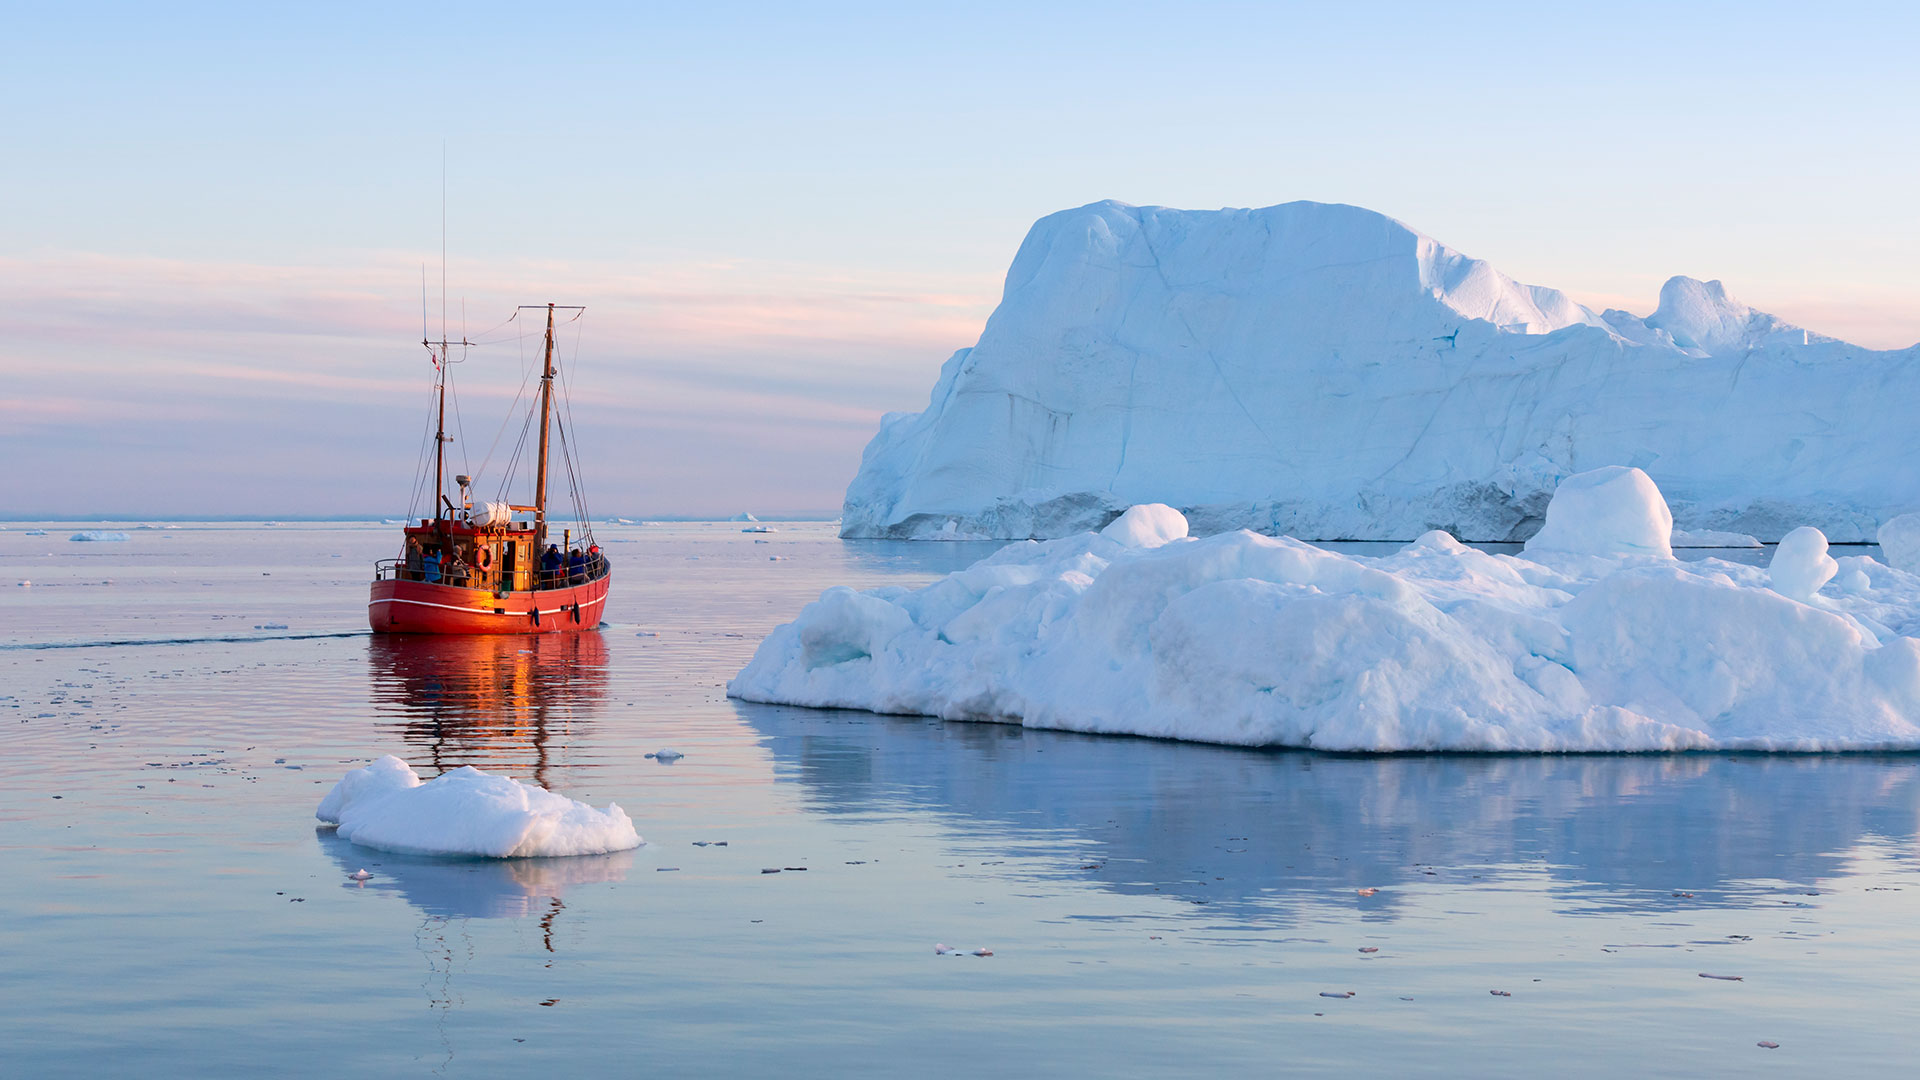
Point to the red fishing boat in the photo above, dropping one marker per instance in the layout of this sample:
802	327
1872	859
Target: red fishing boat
492	569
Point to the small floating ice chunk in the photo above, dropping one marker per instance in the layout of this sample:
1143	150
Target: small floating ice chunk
1369	948
1336	993
468	812
1365	892
1499	993
361	874
1768	1044
942	950
1801	564
983	952
95	536
667	756
1724	978
271	626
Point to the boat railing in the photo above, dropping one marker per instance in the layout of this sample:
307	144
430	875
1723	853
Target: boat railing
474	578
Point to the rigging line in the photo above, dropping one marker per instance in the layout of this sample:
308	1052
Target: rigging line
466	460
420	459
513	463
504	421
573	486
574	466
573	481
460	427
512	466
566	380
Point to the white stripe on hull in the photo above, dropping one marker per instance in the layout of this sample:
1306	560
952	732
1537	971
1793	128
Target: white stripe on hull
488	611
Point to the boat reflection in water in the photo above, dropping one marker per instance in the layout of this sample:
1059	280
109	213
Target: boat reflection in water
1266	836
502	703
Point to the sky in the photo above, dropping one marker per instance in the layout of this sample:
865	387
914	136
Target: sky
215	220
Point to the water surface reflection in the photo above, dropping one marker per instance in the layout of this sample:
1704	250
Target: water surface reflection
494	702
455	888
1258	834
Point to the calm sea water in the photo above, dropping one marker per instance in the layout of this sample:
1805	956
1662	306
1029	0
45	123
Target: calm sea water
175	706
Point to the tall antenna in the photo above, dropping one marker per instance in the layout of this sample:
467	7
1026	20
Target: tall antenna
443	239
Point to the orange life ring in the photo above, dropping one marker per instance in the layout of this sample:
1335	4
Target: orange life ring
486	558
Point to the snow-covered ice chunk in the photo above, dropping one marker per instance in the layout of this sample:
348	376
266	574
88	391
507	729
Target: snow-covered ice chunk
1801	564
98	536
1899	541
1595	640
1147	526
1616	510
468	812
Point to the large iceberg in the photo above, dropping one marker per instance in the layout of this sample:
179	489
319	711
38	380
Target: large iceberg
468	812
1326	372
1594	639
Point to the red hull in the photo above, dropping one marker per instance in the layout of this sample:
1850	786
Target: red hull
415	607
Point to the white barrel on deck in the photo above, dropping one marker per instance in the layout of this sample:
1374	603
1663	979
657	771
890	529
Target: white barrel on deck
492	513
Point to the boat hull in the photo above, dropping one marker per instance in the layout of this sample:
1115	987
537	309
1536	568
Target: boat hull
416	607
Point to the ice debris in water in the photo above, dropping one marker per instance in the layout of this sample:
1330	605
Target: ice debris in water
360	874
468	812
97	536
668	756
1594	639
1713	538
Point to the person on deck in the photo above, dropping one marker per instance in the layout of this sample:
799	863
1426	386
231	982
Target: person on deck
550	567
430	568
593	561
576	567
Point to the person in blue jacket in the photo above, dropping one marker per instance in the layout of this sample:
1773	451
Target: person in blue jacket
430	567
576	567
550	566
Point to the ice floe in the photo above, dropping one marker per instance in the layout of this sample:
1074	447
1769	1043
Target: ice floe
468	812
98	536
1594	639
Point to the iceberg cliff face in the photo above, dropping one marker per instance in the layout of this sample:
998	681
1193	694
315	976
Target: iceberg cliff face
1325	372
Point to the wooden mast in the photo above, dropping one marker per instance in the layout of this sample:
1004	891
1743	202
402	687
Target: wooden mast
440	431
546	410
